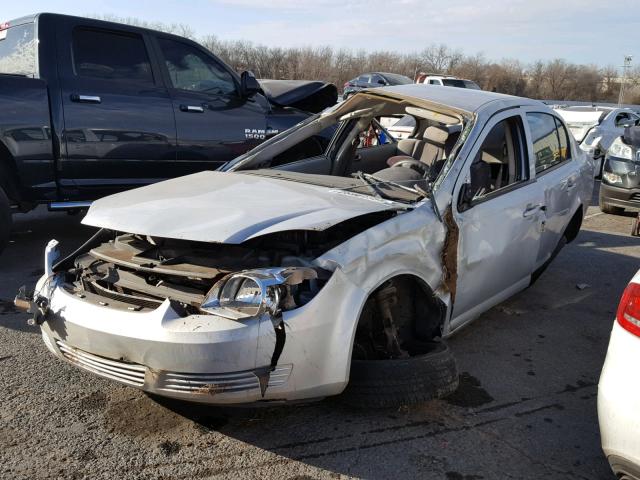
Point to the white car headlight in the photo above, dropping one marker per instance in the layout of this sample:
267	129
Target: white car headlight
612	178
253	292
621	150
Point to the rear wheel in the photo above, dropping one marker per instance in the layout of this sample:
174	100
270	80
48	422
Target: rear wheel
5	220
397	356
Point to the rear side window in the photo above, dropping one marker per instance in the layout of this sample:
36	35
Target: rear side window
191	69
111	56
550	141
18	50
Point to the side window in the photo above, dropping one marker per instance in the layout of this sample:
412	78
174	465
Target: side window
313	146
435	82
550	141
111	56
376	79
565	145
191	69
364	79
621	116
500	161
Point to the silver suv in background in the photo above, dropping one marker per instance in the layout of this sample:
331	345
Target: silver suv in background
595	128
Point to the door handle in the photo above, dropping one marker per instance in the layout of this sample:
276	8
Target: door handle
85	98
571	184
532	209
192	108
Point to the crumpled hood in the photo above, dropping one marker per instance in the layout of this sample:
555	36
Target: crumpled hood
310	96
227	207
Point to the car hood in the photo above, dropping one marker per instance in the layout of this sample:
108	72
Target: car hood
228	207
580	123
310	96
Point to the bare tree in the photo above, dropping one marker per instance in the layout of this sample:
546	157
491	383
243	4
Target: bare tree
555	79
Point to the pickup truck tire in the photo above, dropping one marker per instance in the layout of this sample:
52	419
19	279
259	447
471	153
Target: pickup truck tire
5	220
402	381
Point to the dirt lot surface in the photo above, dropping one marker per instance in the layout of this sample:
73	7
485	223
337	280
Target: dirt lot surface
526	408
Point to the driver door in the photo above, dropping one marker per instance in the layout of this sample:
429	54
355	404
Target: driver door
214	123
499	214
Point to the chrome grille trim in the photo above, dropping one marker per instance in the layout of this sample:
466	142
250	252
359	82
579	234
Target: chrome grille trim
214	383
129	373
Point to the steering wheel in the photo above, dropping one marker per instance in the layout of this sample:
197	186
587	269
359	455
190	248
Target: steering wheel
418	166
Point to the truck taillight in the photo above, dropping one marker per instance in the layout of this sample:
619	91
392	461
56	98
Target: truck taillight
4	26
629	309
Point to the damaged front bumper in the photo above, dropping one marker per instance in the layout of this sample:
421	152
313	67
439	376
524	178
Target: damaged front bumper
204	357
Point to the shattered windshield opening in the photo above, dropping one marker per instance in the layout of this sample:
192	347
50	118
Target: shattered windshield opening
349	148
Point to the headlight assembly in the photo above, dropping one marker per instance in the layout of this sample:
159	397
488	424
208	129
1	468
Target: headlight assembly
619	149
612	178
253	292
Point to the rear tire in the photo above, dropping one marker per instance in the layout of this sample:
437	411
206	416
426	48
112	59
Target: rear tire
5	220
402	381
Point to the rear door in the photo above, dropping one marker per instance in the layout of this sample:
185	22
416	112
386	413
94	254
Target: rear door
499	226
214	122
556	175
119	130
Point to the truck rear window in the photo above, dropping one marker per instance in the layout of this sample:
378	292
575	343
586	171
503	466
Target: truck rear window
18	48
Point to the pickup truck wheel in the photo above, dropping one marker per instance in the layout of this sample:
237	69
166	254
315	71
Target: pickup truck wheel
402	381
5	220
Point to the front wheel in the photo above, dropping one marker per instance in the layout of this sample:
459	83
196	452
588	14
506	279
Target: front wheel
5	220
402	381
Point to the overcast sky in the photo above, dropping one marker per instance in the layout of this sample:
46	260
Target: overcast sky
580	31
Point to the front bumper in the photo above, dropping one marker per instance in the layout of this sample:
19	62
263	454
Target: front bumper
207	358
620	197
619	404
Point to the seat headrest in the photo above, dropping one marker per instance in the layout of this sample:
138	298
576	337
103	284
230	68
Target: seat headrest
436	135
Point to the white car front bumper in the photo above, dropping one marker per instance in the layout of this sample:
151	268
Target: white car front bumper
619	403
207	358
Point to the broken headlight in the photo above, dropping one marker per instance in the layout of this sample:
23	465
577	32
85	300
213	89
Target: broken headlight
253	292
621	150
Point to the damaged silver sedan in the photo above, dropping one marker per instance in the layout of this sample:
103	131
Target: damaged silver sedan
330	255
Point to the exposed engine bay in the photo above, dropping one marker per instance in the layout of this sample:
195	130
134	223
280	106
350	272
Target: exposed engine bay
139	273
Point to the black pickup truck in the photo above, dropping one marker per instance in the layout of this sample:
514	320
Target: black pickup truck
90	108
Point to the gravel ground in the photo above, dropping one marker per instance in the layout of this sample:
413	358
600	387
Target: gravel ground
526	408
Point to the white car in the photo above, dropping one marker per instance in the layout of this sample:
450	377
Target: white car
619	388
595	128
297	270
447	81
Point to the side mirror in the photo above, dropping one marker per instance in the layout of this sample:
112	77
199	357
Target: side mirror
249	84
382	82
465	197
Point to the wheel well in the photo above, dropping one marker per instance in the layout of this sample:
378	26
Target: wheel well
8	174
416	315
571	232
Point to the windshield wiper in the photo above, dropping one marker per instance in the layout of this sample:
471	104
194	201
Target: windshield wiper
371	186
417	190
